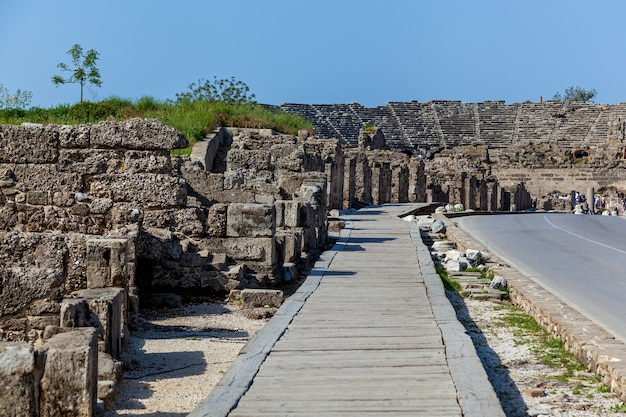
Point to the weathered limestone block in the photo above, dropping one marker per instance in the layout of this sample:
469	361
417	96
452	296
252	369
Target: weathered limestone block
233	178
69	381
106	263
288	157
74	313
201	183
20	286
74	136
107	311
137	134
288	213
38	198
288	245
157	162
188	221
312	215
17	394
109	372
250	161
28	144
309	239
251	251
44	177
76	262
41	322
312	191
152	190
217	220
91	161
154	244
261	298
250	220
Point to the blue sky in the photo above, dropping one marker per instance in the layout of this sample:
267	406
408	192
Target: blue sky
322	51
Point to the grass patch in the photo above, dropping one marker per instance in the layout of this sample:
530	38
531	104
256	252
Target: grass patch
549	350
448	283
193	118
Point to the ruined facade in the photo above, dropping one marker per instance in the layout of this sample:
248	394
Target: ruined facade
517	152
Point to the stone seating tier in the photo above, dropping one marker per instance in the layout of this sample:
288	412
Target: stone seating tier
440	124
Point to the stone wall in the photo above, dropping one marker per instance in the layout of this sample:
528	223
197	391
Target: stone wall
72	203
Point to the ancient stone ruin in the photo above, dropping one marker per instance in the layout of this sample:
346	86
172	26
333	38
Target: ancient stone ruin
99	220
493	155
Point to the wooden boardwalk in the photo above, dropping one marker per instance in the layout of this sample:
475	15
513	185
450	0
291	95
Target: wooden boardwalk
361	337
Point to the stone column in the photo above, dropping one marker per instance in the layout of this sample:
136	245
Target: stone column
349	189
400	184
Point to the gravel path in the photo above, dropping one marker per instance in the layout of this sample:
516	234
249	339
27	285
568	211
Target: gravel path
525	385
176	357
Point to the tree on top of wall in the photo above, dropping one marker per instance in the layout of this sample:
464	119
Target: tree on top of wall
576	94
83	69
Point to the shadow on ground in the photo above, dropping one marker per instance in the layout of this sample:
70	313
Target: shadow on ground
510	398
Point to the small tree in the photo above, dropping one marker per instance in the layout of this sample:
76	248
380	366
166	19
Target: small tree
225	90
576	94
83	70
19	100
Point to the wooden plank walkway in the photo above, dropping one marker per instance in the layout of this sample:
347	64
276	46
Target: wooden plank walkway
360	338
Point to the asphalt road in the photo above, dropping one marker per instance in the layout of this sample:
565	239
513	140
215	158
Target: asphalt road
579	258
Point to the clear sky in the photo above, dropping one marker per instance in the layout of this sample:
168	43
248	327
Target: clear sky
321	51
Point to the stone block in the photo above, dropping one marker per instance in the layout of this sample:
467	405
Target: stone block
151	190
91	161
137	133
107	263
158	162
250	220
288	245
288	156
39	198
17	394
40	322
188	221
206	150
245	159
69	380
232	179
74	136
106	314
74	313
46	177
28	144
21	285
217	220
109	372
261	298
312	215
252	251
309	239
288	213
